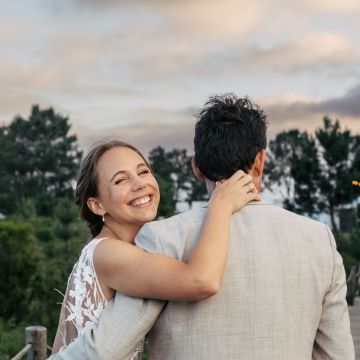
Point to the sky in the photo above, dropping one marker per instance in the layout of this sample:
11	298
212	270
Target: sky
140	70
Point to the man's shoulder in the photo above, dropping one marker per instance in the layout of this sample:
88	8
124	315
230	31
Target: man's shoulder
169	236
173	226
188	218
278	214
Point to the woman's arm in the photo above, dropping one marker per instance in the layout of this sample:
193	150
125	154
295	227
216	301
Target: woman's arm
132	271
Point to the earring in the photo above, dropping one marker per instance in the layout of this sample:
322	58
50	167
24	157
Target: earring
103	218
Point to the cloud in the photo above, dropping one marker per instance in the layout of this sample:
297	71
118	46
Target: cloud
322	52
291	111
19	99
202	19
11	29
346	105
316	51
227	21
136	63
336	6
145	136
158	38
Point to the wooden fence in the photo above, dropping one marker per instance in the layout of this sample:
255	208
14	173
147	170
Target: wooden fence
36	347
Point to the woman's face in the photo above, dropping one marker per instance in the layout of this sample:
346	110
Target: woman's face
128	191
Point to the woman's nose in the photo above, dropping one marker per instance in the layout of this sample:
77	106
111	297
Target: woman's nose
139	184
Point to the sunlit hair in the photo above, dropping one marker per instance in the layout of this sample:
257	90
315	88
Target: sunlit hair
87	181
230	131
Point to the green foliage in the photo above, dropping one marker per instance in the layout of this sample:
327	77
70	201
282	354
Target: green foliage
38	160
339	152
182	172
12	338
184	178
35	260
19	258
160	163
197	191
349	247
167	204
293	166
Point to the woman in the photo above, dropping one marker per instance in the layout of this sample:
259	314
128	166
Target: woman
117	194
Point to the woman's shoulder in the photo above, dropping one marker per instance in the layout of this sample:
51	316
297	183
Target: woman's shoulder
91	244
105	249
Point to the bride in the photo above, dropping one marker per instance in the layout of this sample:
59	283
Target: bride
117	194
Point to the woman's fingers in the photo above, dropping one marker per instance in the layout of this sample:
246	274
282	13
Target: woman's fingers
241	183
235	192
236	176
245	180
252	196
252	188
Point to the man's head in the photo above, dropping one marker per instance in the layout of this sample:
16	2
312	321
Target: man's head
230	135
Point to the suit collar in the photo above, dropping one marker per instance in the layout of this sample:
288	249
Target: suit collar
261	202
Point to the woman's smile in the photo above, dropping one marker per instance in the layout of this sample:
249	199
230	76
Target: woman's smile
143	201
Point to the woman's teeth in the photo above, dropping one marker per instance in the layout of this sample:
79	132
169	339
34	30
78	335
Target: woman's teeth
141	201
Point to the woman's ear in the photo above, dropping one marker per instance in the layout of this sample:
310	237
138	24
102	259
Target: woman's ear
198	174
95	206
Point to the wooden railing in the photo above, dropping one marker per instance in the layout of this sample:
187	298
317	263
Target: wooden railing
353	284
36	347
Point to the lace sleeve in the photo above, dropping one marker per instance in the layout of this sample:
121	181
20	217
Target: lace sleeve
83	302
67	330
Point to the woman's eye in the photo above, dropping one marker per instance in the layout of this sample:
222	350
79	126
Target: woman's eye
119	181
143	172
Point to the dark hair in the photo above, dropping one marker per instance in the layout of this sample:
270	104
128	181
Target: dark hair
87	181
229	132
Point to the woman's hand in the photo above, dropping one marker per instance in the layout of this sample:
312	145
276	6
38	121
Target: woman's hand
232	194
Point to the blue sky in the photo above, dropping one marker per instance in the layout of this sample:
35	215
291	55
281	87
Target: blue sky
139	70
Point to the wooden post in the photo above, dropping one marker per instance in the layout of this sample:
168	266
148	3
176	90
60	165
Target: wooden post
36	335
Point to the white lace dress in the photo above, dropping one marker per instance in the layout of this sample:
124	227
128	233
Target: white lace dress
83	302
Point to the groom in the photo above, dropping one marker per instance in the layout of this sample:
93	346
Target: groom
283	293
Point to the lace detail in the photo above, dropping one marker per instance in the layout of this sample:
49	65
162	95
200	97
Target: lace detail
83	302
138	354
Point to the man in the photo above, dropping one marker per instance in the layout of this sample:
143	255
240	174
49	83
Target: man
283	293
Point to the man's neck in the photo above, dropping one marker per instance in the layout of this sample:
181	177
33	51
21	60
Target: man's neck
210	185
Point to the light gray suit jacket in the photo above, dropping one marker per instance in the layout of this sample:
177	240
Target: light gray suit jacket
282	297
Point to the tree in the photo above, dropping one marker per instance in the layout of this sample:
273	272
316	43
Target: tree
292	170
316	172
163	169
198	191
176	179
20	257
181	174
187	186
39	159
160	164
339	153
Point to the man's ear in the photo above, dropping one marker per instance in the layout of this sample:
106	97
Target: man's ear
198	174
95	206
259	163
